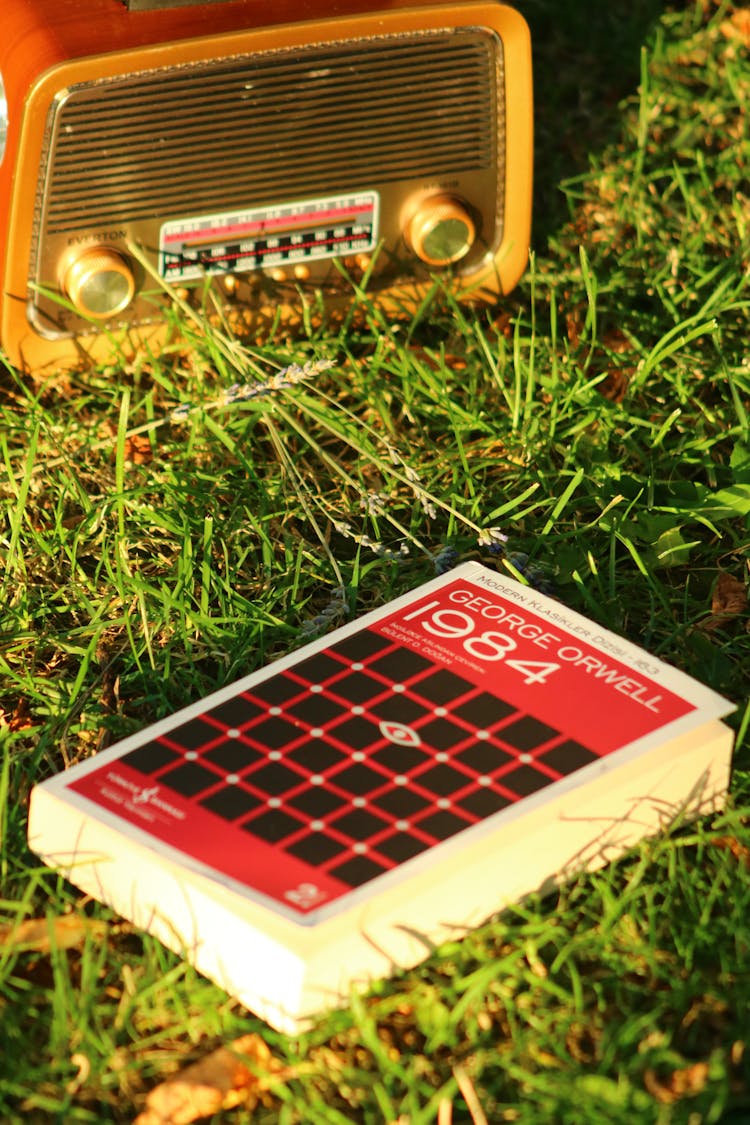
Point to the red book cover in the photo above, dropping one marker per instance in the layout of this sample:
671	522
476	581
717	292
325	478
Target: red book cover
344	766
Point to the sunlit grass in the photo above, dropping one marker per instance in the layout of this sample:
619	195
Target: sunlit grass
163	534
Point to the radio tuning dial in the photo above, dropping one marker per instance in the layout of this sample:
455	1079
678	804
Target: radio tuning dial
441	230
99	282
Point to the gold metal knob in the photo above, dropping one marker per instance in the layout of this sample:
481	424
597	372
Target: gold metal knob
99	282
441	231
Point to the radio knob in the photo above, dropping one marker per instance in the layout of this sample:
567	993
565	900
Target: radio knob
441	231
99	282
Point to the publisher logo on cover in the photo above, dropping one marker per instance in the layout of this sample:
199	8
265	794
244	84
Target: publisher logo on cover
141	796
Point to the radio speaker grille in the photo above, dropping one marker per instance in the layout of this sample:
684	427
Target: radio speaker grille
273	125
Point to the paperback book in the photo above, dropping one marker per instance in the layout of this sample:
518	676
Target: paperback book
331	818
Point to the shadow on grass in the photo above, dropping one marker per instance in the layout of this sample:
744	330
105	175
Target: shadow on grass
586	60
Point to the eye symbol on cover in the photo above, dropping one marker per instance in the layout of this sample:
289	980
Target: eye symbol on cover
400	734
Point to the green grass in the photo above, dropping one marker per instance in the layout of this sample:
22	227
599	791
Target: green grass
599	418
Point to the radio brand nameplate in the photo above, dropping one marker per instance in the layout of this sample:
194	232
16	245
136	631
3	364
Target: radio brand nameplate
264	237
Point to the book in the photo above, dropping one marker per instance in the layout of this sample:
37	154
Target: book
332	818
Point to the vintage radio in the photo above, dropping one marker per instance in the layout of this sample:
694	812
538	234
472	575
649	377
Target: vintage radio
274	150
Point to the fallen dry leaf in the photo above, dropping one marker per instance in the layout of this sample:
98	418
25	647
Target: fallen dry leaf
581	1044
138	449
683	1083
616	373
44	934
616	341
18	718
730	596
740	851
616	383
738	26
503	325
230	1076
454	362
573	328
728	601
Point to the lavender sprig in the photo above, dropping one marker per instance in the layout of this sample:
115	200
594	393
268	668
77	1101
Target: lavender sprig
533	574
445	559
494	540
378	549
336	609
287	377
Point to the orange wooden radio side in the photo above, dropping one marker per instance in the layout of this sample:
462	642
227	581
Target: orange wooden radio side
259	145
